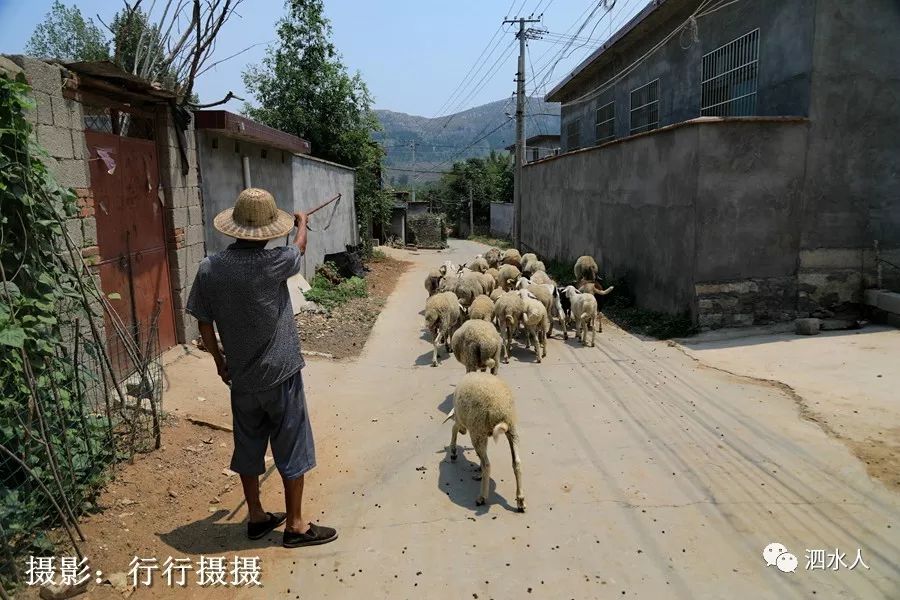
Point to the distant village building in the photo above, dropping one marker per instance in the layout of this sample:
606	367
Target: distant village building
736	163
539	146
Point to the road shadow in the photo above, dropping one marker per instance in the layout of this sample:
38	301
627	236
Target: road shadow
211	535
446	404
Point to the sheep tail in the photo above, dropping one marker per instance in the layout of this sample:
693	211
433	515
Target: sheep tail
585	316
490	363
499	429
509	319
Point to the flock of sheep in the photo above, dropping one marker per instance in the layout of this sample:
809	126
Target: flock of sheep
476	310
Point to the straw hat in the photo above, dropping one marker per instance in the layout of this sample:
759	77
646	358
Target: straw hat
254	217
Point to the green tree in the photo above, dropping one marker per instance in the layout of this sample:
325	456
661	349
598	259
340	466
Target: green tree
303	88
66	35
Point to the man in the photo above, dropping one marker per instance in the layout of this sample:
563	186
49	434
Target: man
243	292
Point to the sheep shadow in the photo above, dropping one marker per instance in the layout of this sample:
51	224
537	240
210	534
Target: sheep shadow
446	404
455	480
424	360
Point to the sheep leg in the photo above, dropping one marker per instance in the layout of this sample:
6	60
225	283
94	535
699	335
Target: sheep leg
533	336
496	366
600	322
542	337
481	449
517	469
507	340
434	354
453	441
593	331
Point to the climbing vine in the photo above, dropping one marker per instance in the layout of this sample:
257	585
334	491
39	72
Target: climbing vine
54	445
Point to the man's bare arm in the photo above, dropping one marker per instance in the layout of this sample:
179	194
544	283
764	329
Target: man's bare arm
208	334
300	237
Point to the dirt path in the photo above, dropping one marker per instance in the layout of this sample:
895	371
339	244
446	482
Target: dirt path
646	473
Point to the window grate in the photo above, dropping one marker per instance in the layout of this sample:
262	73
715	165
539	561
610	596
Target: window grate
645	108
730	77
573	134
103	119
606	123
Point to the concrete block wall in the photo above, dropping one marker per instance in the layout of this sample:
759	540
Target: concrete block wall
184	217
502	220
58	127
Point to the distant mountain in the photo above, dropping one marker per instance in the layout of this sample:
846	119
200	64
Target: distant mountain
441	141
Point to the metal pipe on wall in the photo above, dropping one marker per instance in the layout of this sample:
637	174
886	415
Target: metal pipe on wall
246	162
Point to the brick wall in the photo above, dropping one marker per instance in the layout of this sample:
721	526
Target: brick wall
184	218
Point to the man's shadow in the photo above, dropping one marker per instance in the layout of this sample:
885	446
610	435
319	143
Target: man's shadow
220	532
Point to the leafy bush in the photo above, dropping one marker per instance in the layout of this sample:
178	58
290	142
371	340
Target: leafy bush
328	294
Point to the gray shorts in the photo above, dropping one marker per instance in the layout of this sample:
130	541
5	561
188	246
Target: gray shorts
278	416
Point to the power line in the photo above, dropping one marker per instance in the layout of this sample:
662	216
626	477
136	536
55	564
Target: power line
471	144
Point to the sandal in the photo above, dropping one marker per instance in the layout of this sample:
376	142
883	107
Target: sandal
259	530
315	536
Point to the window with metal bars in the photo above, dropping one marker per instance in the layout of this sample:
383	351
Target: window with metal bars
606	123
103	119
645	107
573	134
729	78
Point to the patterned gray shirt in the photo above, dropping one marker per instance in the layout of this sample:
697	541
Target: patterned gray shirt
243	290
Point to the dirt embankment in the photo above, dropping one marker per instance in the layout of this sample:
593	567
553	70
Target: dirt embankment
344	331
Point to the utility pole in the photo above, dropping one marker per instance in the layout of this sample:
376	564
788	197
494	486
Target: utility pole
413	186
471	212
522	34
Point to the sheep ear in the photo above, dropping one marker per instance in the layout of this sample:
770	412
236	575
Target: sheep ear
443	270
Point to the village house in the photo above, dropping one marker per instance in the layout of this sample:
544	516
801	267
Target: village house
539	146
721	164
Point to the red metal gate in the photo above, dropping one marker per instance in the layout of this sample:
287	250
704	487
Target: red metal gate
131	236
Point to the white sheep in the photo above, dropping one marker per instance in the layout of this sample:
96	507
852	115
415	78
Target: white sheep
496	294
488	283
595	288
511	256
535	266
549	297
541	277
468	285
492	257
536	321
584	311
509	275
483	406
586	268
495	273
527	258
479	265
476	344
507	313
482	308
442	316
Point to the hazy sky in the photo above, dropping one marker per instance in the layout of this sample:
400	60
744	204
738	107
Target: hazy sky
413	54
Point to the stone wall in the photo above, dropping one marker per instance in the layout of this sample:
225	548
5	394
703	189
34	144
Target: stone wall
59	128
502	220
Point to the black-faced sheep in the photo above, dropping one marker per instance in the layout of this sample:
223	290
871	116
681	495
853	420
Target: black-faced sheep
507	313
584	311
483	406
482	308
476	345
586	268
443	314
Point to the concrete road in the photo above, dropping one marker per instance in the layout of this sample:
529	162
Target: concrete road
646	474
